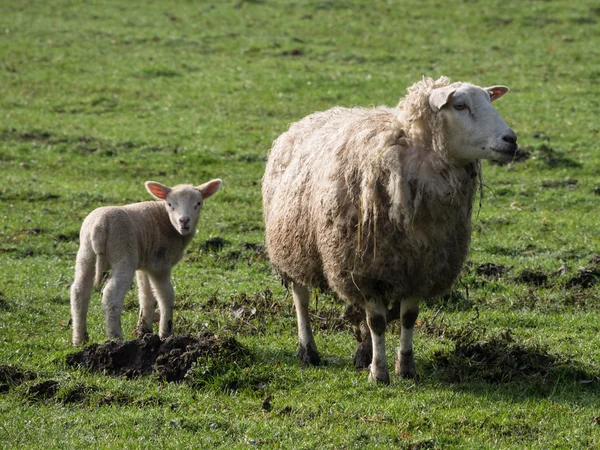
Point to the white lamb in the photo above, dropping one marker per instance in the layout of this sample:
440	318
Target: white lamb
375	204
147	237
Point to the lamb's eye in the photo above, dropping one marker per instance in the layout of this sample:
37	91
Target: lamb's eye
198	205
459	106
170	205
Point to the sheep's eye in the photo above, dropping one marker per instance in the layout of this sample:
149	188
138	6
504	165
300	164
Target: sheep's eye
170	205
198	205
459	106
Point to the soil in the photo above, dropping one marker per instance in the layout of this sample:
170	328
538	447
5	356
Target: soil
170	359
490	270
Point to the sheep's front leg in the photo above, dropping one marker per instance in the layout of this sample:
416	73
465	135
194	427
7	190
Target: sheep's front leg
405	360
376	319
113	296
306	341
163	289
147	304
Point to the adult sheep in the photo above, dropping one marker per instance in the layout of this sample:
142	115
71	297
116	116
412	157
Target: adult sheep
375	204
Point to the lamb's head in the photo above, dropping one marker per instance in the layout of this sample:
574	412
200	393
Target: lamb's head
471	127
183	202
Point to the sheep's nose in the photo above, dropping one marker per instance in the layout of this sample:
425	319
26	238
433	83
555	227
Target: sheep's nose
184	220
511	137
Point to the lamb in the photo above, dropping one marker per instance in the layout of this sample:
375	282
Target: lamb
146	239
375	205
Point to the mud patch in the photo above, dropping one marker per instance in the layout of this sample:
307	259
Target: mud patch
490	270
533	277
43	390
497	358
170	359
586	278
12	376
214	244
551	158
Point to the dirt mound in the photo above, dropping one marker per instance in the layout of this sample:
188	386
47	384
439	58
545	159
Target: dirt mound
171	359
13	376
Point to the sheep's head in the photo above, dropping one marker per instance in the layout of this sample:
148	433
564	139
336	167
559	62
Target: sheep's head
458	120
183	202
472	128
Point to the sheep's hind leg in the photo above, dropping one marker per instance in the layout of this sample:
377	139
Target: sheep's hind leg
166	300
306	341
147	304
113	297
376	319
405	360
81	291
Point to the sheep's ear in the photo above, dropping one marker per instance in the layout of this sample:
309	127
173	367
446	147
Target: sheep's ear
496	92
210	187
160	191
439	97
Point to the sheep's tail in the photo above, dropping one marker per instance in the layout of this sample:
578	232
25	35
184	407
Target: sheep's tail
98	239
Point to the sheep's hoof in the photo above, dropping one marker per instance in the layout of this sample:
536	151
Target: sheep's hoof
76	342
405	364
363	355
383	376
309	356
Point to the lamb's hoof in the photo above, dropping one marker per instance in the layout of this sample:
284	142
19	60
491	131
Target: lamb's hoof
363	355
309	356
142	330
382	376
405	364
77	341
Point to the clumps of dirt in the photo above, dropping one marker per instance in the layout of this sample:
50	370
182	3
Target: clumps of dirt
498	358
170	359
490	270
534	277
215	244
13	376
585	278
570	183
43	390
551	157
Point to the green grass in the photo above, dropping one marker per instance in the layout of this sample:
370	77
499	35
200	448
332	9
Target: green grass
98	97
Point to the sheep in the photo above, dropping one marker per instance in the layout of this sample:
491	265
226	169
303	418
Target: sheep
146	239
375	205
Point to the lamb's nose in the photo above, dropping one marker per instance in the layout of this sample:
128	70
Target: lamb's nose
184	220
511	137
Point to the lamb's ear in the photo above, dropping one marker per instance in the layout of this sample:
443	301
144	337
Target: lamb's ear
210	187
160	191
496	92
439	97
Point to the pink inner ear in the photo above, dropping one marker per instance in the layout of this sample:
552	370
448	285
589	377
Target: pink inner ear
157	191
496	93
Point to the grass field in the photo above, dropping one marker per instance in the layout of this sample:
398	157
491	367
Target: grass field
97	97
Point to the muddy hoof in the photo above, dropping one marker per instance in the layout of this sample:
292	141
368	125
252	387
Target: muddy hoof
405	364
309	356
363	355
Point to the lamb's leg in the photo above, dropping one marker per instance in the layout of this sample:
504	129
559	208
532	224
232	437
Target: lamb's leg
81	290
113	296
306	341
165	295
376	319
405	360
147	304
